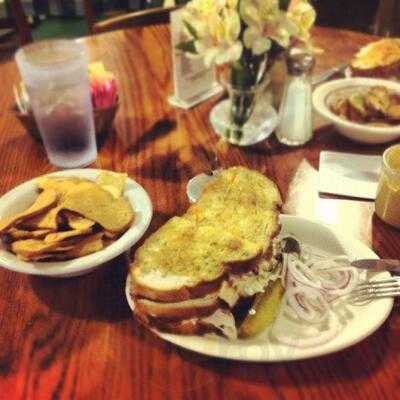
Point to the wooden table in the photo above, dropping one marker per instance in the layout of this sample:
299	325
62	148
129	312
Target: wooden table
75	338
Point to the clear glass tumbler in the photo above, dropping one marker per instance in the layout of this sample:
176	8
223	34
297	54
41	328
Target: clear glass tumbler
56	77
387	203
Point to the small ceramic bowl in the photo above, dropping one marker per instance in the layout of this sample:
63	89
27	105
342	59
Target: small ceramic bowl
324	94
23	195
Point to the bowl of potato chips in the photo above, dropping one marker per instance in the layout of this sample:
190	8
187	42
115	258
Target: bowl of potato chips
70	222
365	110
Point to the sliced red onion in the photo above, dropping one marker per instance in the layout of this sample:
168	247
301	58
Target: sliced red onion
332	276
313	281
307	304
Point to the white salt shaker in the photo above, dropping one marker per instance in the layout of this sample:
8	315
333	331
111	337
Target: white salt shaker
295	112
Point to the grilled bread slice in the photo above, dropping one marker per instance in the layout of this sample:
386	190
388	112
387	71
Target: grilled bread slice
178	310
380	59
243	202
208	315
181	256
229	227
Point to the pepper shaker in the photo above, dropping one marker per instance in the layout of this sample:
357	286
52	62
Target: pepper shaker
295	112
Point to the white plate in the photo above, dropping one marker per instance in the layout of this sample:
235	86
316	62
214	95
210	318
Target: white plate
23	196
363	322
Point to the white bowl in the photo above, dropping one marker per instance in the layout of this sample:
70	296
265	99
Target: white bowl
23	196
357	132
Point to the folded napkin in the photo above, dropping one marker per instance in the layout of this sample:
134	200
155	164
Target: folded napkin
347	174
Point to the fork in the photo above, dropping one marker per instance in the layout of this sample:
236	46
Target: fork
375	289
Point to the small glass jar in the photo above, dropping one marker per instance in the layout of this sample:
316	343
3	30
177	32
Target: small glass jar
295	112
387	203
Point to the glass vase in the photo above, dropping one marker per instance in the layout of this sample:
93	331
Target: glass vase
246	117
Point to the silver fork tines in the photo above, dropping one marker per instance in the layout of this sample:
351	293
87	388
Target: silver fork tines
375	289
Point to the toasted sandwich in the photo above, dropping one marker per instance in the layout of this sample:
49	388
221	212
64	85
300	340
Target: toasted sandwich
380	59
200	272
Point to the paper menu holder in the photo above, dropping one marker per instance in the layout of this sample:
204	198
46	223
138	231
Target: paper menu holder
193	81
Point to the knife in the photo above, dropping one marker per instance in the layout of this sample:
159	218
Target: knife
378	265
323	76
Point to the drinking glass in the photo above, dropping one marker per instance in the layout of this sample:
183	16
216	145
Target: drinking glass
56	78
387	203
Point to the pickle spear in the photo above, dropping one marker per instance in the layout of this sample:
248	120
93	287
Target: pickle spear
263	312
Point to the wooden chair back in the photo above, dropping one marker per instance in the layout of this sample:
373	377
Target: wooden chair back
18	21
151	16
387	20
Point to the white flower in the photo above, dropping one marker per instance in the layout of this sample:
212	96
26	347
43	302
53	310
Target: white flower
258	12
265	22
303	16
169	3
255	41
216	24
214	27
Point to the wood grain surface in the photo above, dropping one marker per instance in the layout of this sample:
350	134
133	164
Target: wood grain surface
75	338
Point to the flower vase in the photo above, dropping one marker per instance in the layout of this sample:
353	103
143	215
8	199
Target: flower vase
246	117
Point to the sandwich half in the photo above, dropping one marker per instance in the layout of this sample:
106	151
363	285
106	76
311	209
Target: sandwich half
200	272
379	59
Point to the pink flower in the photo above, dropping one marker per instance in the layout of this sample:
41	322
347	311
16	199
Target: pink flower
103	86
104	92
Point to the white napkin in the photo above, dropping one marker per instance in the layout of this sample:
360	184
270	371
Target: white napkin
347	174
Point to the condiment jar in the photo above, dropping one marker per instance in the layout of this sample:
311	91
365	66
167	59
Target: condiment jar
295	112
387	203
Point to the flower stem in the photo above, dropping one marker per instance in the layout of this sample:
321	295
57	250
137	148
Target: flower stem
245	75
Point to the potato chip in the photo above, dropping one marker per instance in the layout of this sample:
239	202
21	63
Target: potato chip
16	233
89	245
32	247
47	220
99	205
76	221
44	201
71	217
113	182
61	185
44	257
107	242
60	236
111	235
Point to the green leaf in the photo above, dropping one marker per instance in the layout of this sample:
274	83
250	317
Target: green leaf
284	4
275	49
241	77
187	47
190	29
